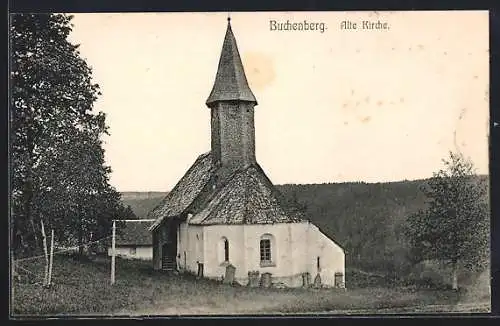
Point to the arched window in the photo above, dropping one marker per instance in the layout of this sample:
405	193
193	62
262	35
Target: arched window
267	250
223	250
226	250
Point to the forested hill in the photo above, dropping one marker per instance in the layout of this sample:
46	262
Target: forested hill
142	202
366	219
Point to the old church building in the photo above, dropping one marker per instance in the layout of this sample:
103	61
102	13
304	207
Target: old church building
226	212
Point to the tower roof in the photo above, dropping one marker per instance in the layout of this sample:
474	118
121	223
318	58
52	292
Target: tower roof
230	82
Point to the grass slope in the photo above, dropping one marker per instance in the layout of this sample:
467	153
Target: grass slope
84	288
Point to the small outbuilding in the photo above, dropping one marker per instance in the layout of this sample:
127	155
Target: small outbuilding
134	241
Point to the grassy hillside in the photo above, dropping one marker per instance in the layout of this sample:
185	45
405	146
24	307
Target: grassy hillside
83	287
366	219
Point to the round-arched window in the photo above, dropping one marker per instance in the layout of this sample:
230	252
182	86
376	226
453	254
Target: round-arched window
224	250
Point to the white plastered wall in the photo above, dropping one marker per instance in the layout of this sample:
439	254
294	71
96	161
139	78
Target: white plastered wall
295	249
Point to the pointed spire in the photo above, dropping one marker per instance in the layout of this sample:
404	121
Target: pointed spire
230	82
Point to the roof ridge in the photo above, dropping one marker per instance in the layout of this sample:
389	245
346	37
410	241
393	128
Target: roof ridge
202	156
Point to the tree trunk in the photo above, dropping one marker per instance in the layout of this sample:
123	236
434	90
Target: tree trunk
454	276
80	240
28	198
14	244
28	189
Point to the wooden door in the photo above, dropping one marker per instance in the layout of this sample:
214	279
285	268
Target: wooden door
169	248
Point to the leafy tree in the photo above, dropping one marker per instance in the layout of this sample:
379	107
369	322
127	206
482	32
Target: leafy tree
57	165
454	228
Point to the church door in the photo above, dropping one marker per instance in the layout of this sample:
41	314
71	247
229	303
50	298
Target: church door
169	248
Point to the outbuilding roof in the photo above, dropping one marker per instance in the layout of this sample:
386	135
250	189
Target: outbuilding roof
135	234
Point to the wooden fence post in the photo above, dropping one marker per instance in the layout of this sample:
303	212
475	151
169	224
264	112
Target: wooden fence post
113	254
51	256
12	277
46	277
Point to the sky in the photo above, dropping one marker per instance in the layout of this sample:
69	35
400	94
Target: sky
333	106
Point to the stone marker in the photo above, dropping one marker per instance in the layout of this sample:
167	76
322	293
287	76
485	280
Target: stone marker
339	280
265	280
253	279
306	280
317	281
229	277
200	270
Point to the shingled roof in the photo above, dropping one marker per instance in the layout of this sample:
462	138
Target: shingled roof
135	234
244	197
248	197
230	80
185	191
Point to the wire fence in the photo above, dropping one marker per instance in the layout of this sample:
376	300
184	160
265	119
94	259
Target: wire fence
64	250
37	277
38	269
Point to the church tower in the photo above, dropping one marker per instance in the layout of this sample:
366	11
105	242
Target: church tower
232	111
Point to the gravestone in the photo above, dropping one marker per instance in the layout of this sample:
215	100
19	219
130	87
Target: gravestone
339	280
265	280
229	277
306	280
253	279
317	281
200	270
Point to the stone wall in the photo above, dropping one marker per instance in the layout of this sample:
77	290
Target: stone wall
233	134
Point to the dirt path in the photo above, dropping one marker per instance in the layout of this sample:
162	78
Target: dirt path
247	309
458	308
228	308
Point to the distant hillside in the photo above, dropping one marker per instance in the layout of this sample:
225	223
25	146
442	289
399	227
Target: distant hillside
142	202
366	219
